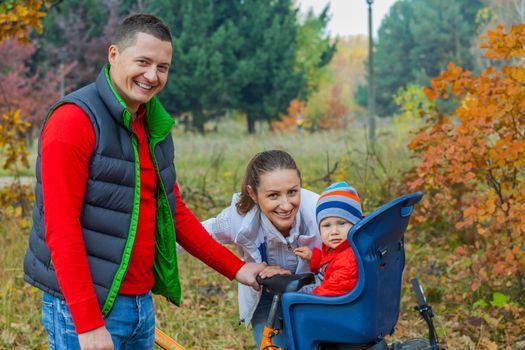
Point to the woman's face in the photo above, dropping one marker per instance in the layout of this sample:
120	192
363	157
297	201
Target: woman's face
279	197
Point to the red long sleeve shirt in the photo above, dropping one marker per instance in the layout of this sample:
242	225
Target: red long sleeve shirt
67	143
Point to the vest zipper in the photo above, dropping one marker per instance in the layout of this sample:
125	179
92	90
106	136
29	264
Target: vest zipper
132	234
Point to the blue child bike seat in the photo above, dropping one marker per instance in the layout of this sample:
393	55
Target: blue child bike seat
370	311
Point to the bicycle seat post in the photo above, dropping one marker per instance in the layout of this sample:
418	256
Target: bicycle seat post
273	310
269	331
278	285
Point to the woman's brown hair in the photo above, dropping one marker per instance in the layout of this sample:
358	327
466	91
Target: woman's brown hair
261	163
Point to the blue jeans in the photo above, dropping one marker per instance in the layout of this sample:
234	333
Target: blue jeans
260	317
131	323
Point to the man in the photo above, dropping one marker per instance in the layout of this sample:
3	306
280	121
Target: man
108	207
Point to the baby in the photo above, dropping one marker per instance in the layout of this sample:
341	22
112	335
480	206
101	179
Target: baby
335	266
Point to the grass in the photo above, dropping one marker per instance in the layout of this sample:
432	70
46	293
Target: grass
210	169
216	162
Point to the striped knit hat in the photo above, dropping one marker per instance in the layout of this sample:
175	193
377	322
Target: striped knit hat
339	200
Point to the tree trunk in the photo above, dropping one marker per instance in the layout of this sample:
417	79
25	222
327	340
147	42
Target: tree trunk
198	120
30	135
250	119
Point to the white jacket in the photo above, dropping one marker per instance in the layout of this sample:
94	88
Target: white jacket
246	232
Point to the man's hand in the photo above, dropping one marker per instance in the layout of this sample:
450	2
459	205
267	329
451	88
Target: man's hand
247	273
303	252
96	339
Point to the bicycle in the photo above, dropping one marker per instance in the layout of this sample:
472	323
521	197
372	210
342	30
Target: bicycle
292	283
362	318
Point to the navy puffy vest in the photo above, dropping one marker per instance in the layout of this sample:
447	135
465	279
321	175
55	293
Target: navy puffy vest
110	207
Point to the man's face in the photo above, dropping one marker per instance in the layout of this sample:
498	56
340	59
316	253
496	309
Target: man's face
140	71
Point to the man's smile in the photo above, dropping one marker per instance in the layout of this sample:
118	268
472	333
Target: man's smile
144	86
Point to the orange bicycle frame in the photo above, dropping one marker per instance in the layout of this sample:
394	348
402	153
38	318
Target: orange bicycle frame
165	342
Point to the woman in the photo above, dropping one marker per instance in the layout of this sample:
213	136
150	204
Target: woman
267	221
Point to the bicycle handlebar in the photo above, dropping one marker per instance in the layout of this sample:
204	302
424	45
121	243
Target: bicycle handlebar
426	312
422	301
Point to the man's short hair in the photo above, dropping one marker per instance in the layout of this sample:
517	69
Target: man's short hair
127	31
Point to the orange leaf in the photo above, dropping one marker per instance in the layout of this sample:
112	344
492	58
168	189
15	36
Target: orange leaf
460	250
474	286
499	268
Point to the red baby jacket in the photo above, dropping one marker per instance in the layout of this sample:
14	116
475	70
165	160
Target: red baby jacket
341	272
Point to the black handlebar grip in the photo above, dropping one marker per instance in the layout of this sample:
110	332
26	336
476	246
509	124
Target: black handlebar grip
419	292
259	279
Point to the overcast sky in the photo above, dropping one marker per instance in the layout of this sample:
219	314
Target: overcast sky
349	17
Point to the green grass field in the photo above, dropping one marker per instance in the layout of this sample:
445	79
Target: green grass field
210	168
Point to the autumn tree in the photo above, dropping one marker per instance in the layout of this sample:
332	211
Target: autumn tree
333	119
16	19
21	88
496	12
79	32
289	122
345	72
472	166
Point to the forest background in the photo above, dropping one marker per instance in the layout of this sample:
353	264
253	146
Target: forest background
254	75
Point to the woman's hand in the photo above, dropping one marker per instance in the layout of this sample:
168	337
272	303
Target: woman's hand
270	271
303	252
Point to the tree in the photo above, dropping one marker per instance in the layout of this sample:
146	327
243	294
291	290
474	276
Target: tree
205	42
506	12
22	92
496	12
78	32
241	55
290	122
471	168
267	78
16	20
345	72
442	32
333	119
20	88
315	49
416	40
18	17
392	50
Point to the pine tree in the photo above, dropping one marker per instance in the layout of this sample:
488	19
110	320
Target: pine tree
416	40
205	40
267	78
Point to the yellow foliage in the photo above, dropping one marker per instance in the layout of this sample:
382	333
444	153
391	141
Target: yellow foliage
15	202
12	142
292	120
17	17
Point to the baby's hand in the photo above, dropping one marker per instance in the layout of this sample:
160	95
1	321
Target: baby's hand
303	252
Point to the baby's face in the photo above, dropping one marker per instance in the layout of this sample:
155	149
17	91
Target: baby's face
334	231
